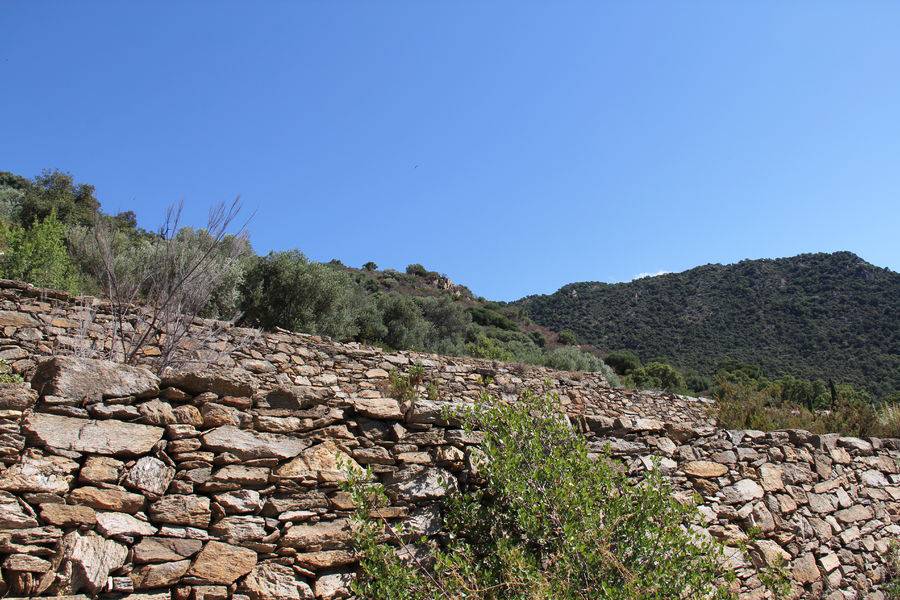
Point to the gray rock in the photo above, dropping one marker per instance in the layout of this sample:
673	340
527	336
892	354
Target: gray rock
12	515
112	524
90	558
741	492
295	397
239	501
150	475
234	383
272	581
36	473
77	379
249	445
115	438
420	483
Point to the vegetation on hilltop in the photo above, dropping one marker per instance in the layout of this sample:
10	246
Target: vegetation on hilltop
814	316
53	233
810	341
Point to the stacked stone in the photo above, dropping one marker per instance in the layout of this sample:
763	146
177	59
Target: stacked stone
224	481
825	507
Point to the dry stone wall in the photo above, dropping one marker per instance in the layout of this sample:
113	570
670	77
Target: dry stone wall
223	481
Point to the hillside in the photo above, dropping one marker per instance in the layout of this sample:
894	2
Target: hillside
814	315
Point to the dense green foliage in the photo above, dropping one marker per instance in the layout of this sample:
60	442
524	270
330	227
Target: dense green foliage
38	254
746	399
816	316
543	520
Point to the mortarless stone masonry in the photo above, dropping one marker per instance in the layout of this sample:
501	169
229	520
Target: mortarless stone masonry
223	481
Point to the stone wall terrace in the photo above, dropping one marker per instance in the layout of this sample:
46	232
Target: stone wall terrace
222	480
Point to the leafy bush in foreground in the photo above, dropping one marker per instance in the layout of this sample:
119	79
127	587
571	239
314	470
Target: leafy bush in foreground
545	521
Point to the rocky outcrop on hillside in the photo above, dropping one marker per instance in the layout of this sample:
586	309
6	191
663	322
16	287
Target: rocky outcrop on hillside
224	481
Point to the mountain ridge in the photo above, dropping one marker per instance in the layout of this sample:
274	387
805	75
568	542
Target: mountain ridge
821	315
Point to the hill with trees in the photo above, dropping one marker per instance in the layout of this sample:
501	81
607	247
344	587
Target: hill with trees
815	316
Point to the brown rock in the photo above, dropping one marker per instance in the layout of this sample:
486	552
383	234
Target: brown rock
159	575
36	473
188	415
157	412
109	437
325	462
704	468
25	563
222	563
12	515
242	475
16	396
804	569
100	469
326	559
164	549
67	515
378	408
177	509
107	499
11	318
240	529
83	378
770	478
272	581
327	535
217	415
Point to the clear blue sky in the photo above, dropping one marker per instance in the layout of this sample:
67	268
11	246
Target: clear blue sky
515	146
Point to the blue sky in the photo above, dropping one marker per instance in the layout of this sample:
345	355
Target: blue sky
515	146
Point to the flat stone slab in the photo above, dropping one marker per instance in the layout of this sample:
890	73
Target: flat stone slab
85	378
111	437
234	383
248	445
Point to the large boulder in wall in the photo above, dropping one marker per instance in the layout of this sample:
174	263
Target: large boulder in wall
79	379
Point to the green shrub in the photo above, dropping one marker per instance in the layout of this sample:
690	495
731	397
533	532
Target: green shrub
751	406
657	376
405	327
55	192
546	521
417	270
38	255
488	317
6	374
567	337
284	289
490	348
623	362
450	322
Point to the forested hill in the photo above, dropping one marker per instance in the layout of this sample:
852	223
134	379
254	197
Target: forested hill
814	315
